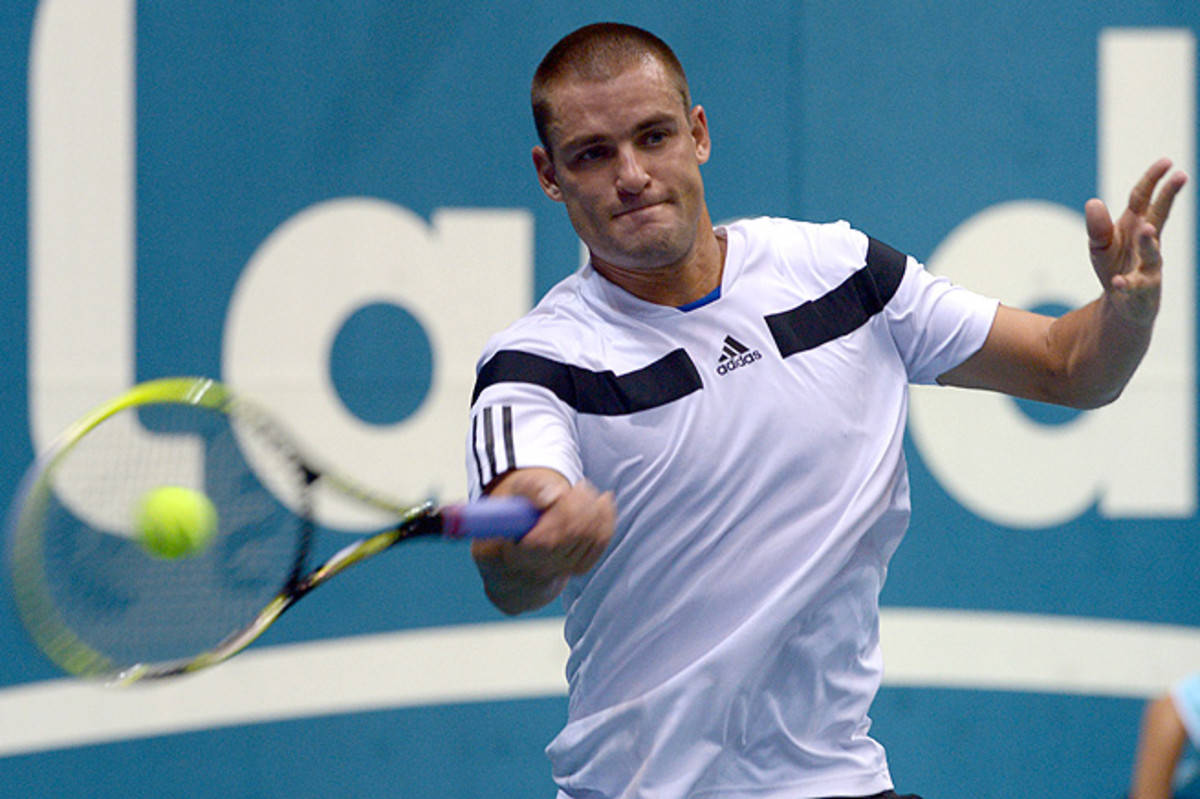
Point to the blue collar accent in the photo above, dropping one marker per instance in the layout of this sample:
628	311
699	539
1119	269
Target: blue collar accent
715	294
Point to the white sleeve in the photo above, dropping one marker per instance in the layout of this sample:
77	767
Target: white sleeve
518	425
1186	696
936	324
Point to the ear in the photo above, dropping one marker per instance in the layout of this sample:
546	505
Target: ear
700	136
546	174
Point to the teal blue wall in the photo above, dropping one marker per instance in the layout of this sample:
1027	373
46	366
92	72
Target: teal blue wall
906	118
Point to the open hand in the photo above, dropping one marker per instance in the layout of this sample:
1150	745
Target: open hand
1125	254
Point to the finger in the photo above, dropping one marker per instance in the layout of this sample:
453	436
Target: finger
488	548
1147	271
589	558
567	556
1143	190
1099	225
596	532
588	514
1150	258
1161	208
570	518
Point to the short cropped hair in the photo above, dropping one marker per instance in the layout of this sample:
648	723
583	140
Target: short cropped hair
600	51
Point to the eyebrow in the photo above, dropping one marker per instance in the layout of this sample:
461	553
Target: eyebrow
588	140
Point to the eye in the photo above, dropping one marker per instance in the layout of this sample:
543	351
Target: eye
591	155
653	137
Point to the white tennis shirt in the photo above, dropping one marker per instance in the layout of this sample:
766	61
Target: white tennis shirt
727	644
1186	696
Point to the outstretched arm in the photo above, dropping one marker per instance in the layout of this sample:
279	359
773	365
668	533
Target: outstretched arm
573	532
1085	358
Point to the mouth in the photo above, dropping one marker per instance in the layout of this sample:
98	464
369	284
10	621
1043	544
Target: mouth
637	208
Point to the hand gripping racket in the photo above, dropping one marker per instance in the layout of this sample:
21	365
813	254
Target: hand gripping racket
99	604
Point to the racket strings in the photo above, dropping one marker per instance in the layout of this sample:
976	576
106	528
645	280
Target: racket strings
100	595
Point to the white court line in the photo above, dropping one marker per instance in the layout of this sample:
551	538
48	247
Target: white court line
1036	653
468	663
525	659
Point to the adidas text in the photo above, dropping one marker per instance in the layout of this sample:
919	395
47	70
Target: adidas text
725	367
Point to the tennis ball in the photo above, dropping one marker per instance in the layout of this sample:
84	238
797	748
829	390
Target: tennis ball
175	522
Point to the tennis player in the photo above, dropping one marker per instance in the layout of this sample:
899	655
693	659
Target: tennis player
713	418
1168	753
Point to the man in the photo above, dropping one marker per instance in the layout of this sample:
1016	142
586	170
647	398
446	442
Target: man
1168	751
712	421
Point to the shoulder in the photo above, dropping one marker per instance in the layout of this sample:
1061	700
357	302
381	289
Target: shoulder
817	254
557	346
595	358
553	328
795	240
798	234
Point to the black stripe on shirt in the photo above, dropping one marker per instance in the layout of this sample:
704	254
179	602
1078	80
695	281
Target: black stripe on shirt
843	310
506	424
489	440
605	393
487	417
475	449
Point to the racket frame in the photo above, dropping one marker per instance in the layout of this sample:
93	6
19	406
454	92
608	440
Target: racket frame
55	637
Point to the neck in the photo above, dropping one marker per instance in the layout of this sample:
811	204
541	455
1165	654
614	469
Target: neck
678	283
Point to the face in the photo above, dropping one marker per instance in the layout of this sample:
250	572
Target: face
625	161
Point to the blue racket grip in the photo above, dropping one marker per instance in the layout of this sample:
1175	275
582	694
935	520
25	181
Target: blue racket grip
491	517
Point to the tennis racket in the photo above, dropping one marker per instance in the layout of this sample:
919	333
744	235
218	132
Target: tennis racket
100	605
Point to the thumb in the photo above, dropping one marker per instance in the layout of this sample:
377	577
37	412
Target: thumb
1099	225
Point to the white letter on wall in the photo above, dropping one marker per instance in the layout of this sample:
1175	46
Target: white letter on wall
82	267
1135	458
464	277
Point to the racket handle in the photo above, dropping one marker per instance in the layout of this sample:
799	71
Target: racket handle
495	517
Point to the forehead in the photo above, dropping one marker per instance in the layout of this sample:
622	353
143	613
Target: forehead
582	106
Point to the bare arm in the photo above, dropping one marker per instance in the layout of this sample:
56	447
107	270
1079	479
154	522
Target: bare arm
573	532
1085	358
1160	744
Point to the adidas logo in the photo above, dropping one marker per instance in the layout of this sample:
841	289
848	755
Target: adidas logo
734	354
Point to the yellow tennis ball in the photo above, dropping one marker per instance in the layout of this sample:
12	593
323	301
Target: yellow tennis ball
175	522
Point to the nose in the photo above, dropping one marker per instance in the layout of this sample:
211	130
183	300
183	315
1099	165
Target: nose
632	177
